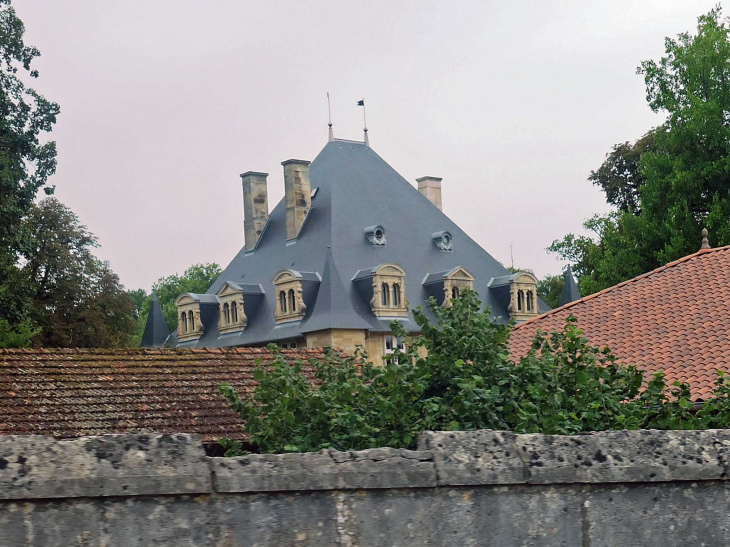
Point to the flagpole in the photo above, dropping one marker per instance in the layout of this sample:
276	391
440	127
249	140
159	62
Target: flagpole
365	123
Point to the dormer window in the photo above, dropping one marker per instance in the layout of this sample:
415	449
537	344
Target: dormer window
443	240
445	286
384	285
376	235
189	323
290	285
232	318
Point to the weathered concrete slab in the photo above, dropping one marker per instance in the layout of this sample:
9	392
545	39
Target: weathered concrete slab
474	457
621	456
674	514
112	465
325	470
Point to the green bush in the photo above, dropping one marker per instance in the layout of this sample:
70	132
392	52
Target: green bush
466	381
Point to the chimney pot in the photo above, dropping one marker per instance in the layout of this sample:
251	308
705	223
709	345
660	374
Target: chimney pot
255	207
431	188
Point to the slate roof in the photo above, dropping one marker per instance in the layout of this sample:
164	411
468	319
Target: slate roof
674	319
155	330
570	289
75	392
355	189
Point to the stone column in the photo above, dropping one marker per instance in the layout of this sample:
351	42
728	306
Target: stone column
255	207
298	195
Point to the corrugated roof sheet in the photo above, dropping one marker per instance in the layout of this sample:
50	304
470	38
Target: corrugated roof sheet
75	392
674	319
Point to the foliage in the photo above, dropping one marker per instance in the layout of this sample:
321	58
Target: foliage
25	162
17	336
77	301
620	177
550	289
684	167
197	279
466	381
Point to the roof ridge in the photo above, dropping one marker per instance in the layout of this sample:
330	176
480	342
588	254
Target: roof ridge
632	280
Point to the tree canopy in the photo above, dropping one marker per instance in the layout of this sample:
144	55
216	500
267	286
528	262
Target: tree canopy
465	381
672	182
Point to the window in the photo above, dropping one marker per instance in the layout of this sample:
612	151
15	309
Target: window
231	316
384	295
184	321
234	312
191	320
392	343
529	300
227	314
454	292
288	345
282	301
292	304
396	295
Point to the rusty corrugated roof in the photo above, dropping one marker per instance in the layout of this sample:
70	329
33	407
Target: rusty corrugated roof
76	392
675	318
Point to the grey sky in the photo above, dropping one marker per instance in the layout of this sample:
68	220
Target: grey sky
165	102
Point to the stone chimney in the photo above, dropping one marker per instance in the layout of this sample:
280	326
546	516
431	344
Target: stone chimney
255	207
431	188
298	195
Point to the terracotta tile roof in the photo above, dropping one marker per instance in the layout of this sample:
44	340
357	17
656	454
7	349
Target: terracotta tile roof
675	318
76	392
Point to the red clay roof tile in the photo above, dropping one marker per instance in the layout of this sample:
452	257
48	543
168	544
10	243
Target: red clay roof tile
675	318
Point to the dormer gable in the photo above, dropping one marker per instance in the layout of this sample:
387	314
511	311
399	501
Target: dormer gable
522	294
448	285
289	291
385	286
189	321
232	316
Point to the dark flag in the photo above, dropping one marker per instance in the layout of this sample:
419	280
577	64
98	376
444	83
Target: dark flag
361	102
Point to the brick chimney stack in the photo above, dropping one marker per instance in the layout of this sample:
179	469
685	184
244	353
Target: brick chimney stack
298	195
255	207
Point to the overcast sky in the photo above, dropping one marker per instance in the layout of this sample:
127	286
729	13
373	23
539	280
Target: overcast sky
165	102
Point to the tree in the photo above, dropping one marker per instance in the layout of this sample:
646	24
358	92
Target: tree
77	300
25	162
685	169
620	177
550	289
463	380
196	279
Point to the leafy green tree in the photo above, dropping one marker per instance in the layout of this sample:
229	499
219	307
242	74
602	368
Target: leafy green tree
77	300
685	169
550	289
25	161
620	177
197	279
466	381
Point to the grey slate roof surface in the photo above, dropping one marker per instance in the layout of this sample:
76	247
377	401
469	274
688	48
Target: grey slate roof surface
155	330
570	289
356	189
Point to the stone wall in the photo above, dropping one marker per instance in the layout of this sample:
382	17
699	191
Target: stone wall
467	488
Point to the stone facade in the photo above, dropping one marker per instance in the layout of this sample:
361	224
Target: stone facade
608	489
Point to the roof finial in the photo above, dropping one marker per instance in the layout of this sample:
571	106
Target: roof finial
329	114
705	241
361	102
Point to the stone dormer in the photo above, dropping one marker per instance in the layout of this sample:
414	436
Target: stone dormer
518	293
190	312
232	316
290	287
444	286
384	285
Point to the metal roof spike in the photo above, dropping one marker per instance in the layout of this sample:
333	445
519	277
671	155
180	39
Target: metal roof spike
705	241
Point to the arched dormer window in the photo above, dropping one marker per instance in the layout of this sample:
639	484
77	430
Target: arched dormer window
189	325
292	301
184	321
191	321
529	301
396	295
282	301
523	302
455	292
384	295
291	286
520	300
232	317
